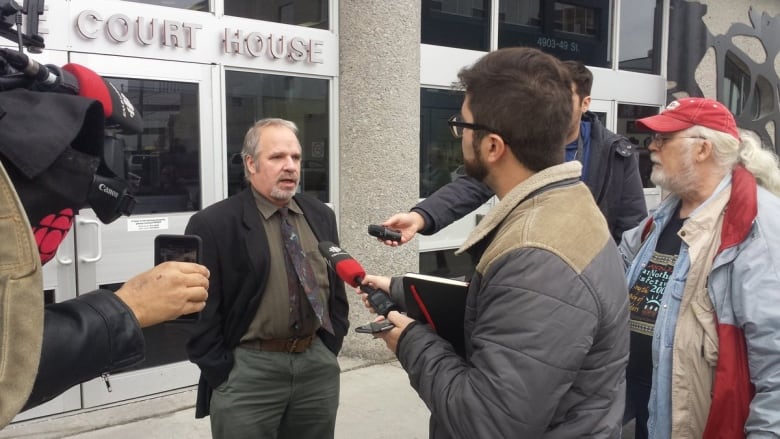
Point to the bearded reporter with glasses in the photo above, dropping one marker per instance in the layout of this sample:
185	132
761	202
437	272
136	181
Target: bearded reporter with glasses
703	277
546	316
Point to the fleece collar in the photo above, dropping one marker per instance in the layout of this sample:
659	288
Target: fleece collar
536	182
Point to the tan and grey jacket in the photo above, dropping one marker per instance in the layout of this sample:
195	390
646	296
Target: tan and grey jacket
546	323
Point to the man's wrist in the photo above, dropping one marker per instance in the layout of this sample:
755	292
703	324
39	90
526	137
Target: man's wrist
401	337
419	220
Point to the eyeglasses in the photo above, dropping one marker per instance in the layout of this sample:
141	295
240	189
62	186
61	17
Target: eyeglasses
661	140
457	125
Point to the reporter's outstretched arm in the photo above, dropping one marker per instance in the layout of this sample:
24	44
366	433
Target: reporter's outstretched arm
445	206
100	331
82	338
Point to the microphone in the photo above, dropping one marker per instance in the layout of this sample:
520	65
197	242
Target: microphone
384	233
117	108
350	271
347	269
77	79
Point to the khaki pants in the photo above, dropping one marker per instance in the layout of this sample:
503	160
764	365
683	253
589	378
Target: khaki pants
278	395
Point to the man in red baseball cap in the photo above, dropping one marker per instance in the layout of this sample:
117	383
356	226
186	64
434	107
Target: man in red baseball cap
685	113
703	283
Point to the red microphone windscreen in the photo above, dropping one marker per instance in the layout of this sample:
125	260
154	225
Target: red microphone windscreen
116	106
91	85
350	271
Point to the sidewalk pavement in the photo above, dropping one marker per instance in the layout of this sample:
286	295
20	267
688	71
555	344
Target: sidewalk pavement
372	395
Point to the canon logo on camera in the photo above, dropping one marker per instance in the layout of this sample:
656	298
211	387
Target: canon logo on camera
108	191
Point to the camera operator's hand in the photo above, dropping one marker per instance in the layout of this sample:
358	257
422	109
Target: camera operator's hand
408	223
165	292
373	281
391	336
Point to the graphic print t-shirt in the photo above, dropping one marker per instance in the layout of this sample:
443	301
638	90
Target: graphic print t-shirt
645	299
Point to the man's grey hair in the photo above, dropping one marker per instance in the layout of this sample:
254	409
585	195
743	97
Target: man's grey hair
252	139
748	151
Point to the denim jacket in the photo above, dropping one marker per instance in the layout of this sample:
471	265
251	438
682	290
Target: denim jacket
716	345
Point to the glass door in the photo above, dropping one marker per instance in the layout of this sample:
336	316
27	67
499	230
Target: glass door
173	168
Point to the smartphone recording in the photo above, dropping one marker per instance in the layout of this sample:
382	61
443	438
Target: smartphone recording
181	248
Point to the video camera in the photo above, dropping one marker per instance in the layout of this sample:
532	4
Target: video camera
60	149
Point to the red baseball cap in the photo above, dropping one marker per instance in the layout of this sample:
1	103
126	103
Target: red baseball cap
687	112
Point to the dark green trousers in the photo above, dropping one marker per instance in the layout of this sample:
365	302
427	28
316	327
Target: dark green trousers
278	395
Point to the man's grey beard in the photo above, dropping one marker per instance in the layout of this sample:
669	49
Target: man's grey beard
282	195
679	184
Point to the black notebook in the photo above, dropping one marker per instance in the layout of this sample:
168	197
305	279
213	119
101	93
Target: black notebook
439	302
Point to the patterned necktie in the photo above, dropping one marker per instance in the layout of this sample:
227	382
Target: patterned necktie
303	270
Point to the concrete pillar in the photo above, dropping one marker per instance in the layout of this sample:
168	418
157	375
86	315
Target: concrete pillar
379	129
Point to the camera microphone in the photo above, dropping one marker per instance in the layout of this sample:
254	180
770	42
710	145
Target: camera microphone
118	109
350	271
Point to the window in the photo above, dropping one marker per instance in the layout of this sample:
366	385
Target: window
193	5
574	19
445	263
464	24
640	36
574	29
162	165
522	13
627	116
254	96
309	13
736	90
440	152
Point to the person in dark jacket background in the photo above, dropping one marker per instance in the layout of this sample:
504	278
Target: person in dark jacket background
276	317
610	170
546	318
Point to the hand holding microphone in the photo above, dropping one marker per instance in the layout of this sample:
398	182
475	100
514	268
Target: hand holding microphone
351	272
402	227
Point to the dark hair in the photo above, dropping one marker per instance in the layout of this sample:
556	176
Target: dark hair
581	76
524	94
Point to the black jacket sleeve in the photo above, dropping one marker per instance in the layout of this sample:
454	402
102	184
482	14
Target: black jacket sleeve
83	338
451	203
208	347
631	207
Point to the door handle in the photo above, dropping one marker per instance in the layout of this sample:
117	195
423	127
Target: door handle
99	255
60	259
